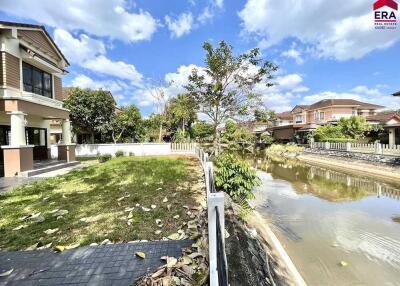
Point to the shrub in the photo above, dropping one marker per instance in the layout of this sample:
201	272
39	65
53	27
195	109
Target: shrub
340	140
104	158
267	139
328	131
131	154
235	177
119	153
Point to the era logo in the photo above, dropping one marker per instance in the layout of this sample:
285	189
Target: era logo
385	14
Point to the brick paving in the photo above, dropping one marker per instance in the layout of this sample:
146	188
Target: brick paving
113	264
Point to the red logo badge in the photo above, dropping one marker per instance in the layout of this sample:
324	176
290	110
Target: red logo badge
385	14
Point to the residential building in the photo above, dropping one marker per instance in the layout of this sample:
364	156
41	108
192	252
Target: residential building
306	118
31	71
283	119
391	122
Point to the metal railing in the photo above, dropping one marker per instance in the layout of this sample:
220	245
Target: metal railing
216	224
376	148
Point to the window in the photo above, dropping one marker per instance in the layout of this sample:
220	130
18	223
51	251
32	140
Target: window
316	115
321	115
299	118
36	81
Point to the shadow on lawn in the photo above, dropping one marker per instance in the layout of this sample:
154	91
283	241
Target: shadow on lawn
101	193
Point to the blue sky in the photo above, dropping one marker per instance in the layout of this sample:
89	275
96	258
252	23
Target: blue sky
325	49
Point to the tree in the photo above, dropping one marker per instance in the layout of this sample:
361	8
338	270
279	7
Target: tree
125	124
264	115
354	127
236	136
224	88
202	131
158	90
181	112
90	110
327	132
152	127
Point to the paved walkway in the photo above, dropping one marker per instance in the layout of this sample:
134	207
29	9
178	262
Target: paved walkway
113	264
7	184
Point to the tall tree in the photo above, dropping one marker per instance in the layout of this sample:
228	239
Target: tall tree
125	124
224	88
158	91
90	110
181	112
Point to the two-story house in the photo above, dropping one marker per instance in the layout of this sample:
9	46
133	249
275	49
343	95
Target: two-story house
283	119
306	118
31	71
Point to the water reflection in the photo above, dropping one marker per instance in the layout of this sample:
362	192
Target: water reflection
324	183
325	216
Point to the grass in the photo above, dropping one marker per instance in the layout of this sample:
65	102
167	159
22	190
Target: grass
100	194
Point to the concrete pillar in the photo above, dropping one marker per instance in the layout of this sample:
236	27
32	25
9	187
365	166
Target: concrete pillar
348	146
18	137
46	124
392	136
66	132
18	156
327	145
378	148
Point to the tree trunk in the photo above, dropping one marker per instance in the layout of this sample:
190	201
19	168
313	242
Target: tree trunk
92	137
183	127
216	140
160	134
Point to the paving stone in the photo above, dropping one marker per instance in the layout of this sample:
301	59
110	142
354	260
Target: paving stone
114	264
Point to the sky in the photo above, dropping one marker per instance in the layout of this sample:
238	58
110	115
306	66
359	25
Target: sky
324	49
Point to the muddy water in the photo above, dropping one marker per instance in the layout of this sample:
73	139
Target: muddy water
325	217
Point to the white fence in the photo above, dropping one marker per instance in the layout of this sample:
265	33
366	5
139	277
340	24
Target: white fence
377	148
137	149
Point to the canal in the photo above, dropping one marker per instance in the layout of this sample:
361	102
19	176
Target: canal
338	228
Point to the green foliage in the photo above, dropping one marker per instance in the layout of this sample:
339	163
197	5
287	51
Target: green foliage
119	153
236	136
202	131
235	177
354	127
267	139
104	158
322	133
339	140
131	154
264	115
90	110
180	137
181	112
224	88
278	149
152	127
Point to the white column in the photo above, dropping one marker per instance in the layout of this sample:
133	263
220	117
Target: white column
17	119
392	137
66	131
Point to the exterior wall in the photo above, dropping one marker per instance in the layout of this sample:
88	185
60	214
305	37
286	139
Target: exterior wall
280	122
12	71
139	149
340	112
57	83
38	39
1	68
283	134
32	108
17	160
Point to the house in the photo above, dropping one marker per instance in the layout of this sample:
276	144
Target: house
80	138
31	71
391	122
283	119
307	118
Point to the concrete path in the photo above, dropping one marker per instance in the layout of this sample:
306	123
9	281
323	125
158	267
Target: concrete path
7	184
113	264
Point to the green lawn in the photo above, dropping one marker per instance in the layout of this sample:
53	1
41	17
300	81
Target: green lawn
99	201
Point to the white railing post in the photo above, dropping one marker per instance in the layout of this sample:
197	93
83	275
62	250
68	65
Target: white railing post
348	146
214	200
378	148
327	145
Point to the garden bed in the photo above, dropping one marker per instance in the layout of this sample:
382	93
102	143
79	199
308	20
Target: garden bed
124	199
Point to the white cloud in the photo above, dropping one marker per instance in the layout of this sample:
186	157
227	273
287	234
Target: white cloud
98	17
206	15
90	54
219	3
119	69
337	29
78	50
294	54
180	26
